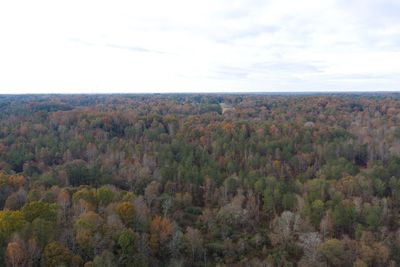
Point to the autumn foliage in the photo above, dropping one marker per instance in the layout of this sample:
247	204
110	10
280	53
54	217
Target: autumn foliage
200	180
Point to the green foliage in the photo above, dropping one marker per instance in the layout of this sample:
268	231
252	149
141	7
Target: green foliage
43	231
316	211
56	254
394	185
86	193
373	216
316	189
344	216
105	196
40	209
337	168
126	241
289	201
79	174
10	222
17	156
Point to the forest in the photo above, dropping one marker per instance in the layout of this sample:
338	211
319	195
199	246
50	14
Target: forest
200	180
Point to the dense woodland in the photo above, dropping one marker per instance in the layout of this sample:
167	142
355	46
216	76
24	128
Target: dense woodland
200	180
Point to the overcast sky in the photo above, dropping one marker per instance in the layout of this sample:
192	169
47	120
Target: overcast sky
198	46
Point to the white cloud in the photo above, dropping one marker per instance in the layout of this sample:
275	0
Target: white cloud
211	45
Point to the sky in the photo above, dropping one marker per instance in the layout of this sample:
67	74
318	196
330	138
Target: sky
149	46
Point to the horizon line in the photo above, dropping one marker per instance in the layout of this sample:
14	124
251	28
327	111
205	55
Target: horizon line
207	92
